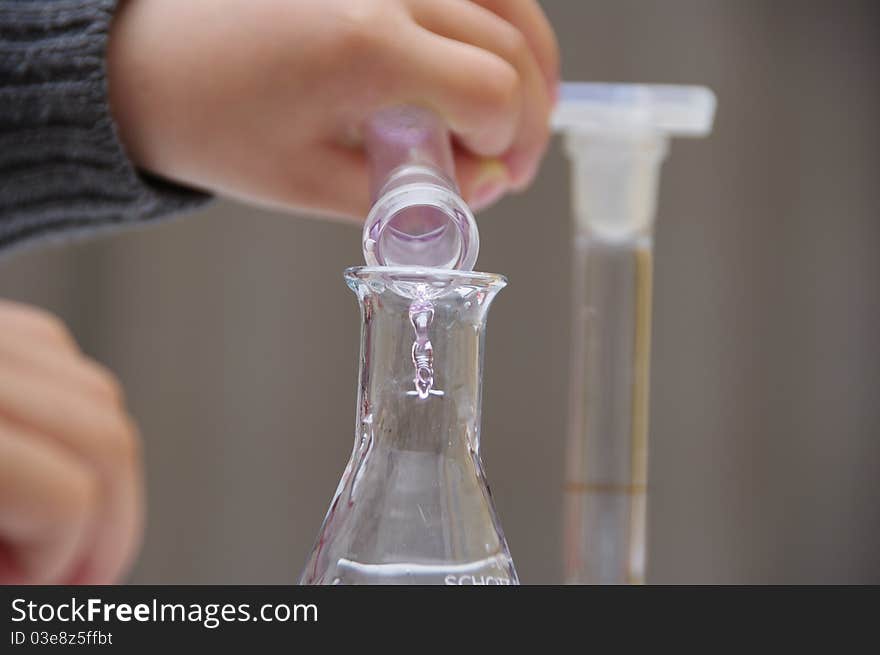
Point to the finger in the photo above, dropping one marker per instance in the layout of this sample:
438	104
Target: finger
472	24
47	502
102	438
11	572
114	540
60	367
336	185
474	90
97	431
18	319
528	17
482	181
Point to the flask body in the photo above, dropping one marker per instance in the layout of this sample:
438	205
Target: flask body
413	505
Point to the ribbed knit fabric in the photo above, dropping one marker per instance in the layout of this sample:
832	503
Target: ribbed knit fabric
62	167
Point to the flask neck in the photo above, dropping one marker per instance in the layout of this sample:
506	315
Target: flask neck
421	356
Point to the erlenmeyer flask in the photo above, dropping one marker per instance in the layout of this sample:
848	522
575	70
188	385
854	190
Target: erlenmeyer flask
413	505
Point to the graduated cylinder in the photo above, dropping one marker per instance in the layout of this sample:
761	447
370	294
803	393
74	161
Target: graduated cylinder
605	488
616	137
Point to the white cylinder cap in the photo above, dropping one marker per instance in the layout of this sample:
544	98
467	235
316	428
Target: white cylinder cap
616	136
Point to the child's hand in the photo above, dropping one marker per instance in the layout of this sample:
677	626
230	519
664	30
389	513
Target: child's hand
265	99
70	485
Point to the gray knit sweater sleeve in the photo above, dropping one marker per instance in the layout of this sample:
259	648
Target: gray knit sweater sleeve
62	167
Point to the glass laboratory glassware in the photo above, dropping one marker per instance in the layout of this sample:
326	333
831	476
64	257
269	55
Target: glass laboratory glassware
413	505
418	217
616	136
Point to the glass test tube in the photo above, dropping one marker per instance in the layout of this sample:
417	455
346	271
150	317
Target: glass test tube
418	217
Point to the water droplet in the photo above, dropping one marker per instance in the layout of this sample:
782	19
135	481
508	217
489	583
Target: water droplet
421	315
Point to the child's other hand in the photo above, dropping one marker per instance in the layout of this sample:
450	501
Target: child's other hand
265	99
70	480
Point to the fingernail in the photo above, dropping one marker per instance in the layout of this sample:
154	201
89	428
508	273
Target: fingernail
523	169
490	186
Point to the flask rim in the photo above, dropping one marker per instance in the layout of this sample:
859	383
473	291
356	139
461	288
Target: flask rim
409	274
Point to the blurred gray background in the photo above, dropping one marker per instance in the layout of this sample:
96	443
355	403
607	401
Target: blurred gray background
236	338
